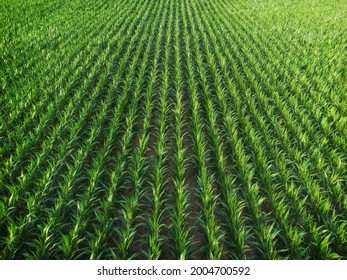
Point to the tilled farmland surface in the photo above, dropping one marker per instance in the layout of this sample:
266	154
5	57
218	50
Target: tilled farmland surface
176	129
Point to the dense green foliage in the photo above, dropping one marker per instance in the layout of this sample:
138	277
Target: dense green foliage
173	129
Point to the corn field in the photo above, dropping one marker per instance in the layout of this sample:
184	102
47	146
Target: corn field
178	129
